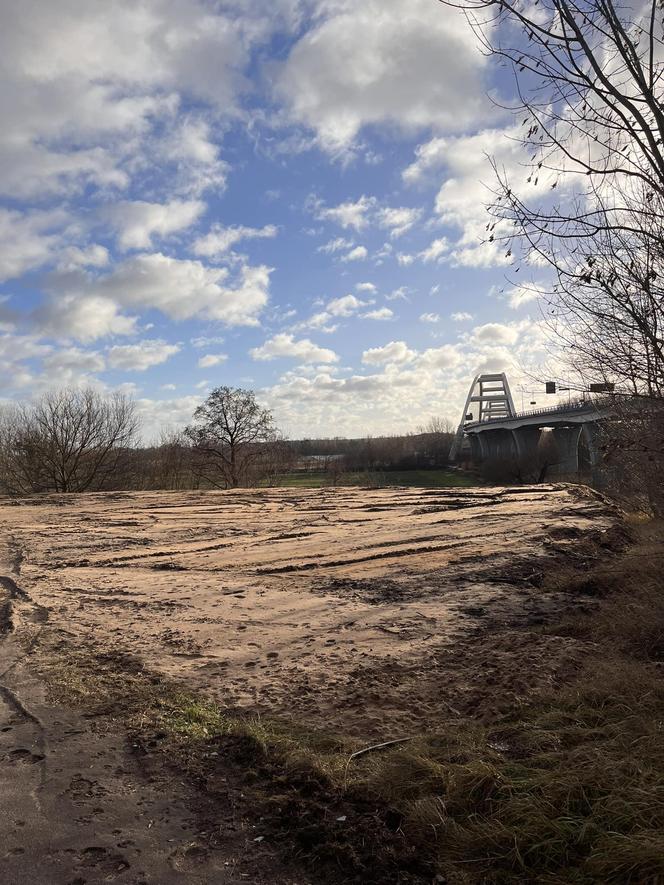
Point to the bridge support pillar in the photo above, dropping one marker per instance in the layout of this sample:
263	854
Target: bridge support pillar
475	447
498	445
567	445
591	438
526	440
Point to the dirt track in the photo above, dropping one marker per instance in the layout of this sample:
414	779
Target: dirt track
375	613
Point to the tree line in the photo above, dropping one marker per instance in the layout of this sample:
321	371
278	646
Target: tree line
82	440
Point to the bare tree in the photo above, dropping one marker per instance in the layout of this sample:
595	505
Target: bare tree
590	203
70	440
230	436
588	77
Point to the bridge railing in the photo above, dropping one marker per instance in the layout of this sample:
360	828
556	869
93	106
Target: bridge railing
578	405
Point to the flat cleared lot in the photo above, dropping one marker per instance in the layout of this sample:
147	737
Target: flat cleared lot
348	608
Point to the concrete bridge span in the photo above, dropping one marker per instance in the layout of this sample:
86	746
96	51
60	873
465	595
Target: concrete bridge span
563	437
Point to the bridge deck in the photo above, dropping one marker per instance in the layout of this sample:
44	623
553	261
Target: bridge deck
575	412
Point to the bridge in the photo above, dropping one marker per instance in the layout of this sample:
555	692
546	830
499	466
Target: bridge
491	430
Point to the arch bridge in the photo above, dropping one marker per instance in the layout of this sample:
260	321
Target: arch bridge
491	430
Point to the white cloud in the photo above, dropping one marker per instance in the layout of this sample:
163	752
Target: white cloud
400	294
73	360
366	287
461	316
140	356
359	253
285	345
137	222
430	318
28	240
179	288
206	341
211	359
83	317
405	259
398	221
344	306
348	214
335	245
428	156
435	250
88	256
517	296
80	111
220	239
445	357
382	313
370	63
496	333
190	151
394	352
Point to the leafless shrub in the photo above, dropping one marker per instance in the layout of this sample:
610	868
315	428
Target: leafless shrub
70	440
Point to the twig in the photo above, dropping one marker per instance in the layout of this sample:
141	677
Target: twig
369	750
378	747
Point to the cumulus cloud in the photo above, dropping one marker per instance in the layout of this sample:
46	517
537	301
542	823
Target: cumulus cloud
398	221
28	240
87	256
212	359
394	352
435	250
344	306
140	356
429	318
137	222
366	287
84	317
338	308
179	288
91	103
428	156
335	245
461	316
70	361
285	345
349	214
400	380
370	63
461	201
220	239
496	333
359	253
381	313
517	296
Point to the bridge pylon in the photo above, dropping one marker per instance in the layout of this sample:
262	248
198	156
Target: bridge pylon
489	397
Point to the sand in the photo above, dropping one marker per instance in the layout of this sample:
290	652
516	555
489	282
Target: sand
348	607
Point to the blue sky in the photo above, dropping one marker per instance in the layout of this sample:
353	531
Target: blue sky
289	198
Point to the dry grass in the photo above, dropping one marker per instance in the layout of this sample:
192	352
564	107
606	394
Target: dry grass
567	790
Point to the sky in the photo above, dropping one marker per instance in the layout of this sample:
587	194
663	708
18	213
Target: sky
287	196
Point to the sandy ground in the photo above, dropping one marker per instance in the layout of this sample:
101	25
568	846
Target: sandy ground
371	612
333	604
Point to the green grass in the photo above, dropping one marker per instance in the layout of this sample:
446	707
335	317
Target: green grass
436	479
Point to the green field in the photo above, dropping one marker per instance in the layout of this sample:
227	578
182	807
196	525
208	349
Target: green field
438	479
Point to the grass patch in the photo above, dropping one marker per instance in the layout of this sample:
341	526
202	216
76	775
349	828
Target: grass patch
565	791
